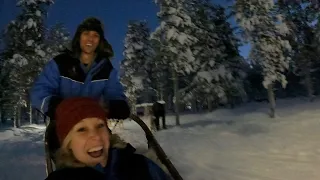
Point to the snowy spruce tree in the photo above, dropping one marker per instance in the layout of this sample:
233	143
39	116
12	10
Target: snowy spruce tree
208	53
57	39
232	61
265	34
176	39
24	53
4	79
160	73
218	75
300	15
136	65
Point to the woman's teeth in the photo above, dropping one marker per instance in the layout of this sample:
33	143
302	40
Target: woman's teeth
95	149
95	152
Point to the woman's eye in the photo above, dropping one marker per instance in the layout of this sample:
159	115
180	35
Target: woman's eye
101	125
81	129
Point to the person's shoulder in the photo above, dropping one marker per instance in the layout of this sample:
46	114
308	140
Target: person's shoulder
83	173
63	56
65	60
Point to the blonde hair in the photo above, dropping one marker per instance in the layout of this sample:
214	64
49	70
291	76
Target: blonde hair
65	157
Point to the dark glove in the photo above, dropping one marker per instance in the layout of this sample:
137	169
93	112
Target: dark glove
118	109
53	104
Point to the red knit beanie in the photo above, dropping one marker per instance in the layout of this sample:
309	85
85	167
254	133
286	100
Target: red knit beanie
72	110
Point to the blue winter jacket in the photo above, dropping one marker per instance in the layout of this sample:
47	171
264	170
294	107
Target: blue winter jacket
65	77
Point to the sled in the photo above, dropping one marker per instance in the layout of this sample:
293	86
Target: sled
152	144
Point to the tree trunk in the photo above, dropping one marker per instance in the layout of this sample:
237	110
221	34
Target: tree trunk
0	117
3	117
169	101
18	117
132	104
161	94
176	95
36	116
309	86
15	117
210	105
194	105
272	100
30	112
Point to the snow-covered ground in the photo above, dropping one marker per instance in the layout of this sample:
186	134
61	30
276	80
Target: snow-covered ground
238	144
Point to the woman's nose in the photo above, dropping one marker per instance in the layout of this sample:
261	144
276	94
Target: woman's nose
94	134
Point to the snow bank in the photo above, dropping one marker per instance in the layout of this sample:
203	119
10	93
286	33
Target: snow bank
6	134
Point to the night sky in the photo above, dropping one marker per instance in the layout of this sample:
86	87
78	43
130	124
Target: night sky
115	15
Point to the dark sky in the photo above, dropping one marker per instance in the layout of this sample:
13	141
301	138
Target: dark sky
115	15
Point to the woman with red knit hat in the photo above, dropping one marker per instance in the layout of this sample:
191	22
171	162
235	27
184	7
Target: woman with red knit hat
85	152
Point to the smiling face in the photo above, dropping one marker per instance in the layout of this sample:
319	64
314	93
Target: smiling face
89	41
90	141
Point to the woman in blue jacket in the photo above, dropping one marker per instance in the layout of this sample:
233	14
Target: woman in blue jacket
84	71
85	152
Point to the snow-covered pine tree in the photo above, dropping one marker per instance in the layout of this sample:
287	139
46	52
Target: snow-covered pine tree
136	65
208	53
176	38
5	86
57	39
133	86
218	72
233	61
160	72
300	15
24	50
2	77
265	34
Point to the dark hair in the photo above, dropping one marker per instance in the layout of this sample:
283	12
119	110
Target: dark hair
104	49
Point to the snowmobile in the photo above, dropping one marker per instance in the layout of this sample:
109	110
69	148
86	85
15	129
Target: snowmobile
151	140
